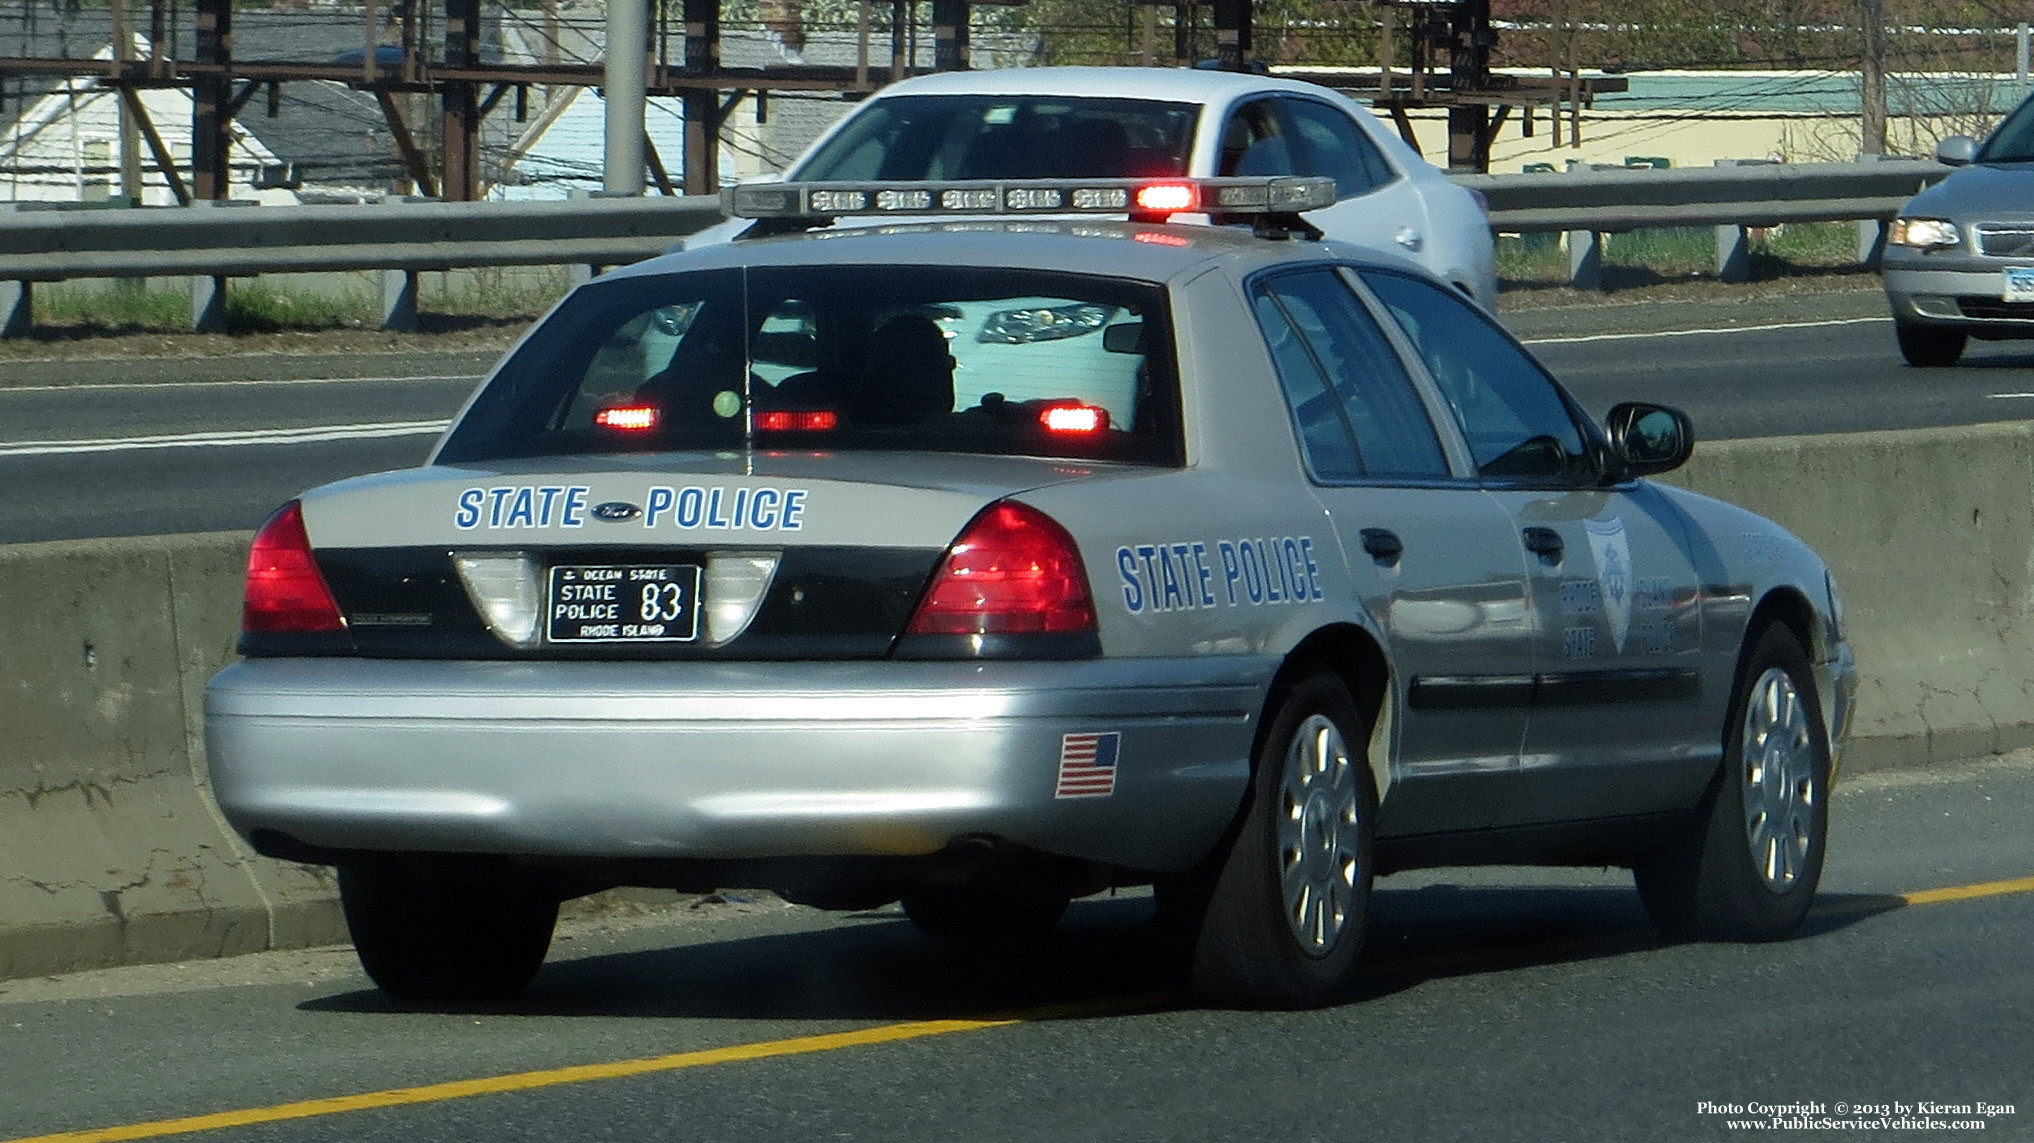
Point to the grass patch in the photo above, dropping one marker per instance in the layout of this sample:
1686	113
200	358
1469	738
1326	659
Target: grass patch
1684	253
520	292
131	307
502	299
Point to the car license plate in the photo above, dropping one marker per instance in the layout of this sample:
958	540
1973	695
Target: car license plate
622	603
2019	284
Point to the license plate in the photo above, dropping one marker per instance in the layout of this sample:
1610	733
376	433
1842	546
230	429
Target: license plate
2019	284
622	603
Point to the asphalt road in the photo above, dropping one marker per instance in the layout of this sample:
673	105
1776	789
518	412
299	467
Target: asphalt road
1496	1005
125	447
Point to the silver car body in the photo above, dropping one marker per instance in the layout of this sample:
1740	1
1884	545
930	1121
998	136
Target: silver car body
1533	708
1414	209
1960	258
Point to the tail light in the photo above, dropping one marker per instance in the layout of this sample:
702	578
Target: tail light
1014	570
285	590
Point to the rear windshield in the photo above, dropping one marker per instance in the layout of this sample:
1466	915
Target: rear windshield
946	359
1007	137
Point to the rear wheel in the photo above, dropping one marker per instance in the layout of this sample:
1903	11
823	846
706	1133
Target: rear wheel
971	913
1748	869
432	935
1285	909
1929	346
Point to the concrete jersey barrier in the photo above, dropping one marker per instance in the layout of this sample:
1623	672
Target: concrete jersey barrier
111	852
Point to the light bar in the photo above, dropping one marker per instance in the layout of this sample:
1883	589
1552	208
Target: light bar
1266	195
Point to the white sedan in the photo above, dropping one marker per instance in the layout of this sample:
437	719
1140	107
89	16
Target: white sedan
1101	122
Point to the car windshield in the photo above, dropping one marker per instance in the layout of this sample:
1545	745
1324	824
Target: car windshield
1007	137
950	359
2013	142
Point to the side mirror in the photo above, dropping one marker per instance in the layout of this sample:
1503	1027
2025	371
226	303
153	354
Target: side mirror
1957	151
1646	439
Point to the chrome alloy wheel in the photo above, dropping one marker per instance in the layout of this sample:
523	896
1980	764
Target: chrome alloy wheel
1318	834
1780	792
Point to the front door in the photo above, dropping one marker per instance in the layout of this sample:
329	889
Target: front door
1618	633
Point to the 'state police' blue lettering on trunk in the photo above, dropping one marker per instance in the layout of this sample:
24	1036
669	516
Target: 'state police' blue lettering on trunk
1190	575
688	509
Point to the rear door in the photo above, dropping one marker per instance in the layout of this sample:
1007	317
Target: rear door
1435	560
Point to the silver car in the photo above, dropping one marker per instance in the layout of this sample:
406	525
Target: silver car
1140	122
1083	553
1959	260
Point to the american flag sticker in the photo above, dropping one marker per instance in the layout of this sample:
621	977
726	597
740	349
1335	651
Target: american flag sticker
1087	765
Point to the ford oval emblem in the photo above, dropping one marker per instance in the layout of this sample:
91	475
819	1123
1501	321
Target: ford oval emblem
615	511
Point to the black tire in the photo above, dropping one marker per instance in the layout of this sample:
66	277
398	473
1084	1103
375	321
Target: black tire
973	913
1281	917
1929	346
1748	867
430	936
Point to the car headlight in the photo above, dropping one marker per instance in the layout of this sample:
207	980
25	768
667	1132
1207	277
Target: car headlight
1923	233
1045	323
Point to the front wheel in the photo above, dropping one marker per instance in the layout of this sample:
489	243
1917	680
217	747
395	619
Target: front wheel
1283	919
1748	869
1929	346
431	936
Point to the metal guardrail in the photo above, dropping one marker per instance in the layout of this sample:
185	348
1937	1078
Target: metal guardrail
1587	204
403	238
399	237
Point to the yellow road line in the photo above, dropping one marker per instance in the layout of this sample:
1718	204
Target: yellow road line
768	1049
523	1081
1970	892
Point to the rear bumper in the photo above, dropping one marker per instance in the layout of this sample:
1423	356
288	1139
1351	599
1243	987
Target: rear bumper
730	760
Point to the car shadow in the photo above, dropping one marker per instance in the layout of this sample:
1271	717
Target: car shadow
1441	931
1105	958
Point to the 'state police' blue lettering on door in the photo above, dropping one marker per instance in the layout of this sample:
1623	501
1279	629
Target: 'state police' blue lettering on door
1191	575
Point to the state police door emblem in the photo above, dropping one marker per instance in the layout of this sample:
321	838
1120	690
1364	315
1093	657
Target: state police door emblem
1608	543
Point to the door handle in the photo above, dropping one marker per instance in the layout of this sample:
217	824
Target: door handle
1544	542
1383	545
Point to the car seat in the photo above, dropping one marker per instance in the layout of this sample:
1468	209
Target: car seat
907	375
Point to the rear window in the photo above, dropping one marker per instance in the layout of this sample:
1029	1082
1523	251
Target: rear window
1007	137
839	358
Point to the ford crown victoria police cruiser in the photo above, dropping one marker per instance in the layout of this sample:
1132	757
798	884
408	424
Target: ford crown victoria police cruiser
993	560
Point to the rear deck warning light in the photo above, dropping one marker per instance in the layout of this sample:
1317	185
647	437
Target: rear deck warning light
797	421
627	418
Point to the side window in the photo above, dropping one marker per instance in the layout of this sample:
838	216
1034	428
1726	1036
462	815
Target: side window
1336	148
1254	143
1344	382
1324	431
1515	418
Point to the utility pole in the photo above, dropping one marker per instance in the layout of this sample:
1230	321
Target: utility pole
1872	134
628	76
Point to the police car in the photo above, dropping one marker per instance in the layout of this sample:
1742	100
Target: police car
1032	547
